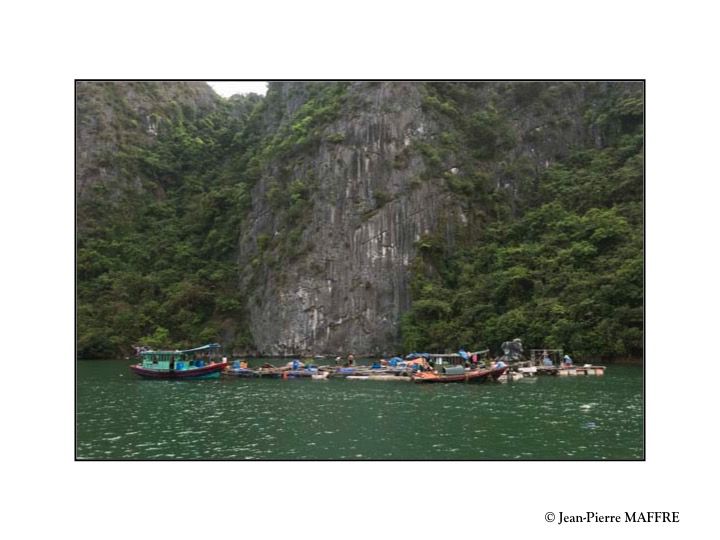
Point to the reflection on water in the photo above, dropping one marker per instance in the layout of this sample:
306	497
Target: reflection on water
120	416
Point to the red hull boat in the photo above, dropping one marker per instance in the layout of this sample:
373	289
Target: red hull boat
205	372
475	375
198	363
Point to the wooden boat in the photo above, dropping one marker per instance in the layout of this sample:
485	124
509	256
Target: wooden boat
473	375
303	373
379	377
191	364
366	371
241	372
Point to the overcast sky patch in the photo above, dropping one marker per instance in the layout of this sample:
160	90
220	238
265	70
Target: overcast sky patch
229	88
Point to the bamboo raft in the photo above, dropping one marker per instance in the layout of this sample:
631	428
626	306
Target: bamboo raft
366	372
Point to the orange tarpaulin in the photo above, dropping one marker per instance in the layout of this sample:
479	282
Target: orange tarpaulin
416	361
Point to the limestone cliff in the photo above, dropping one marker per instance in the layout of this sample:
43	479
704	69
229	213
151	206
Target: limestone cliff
348	288
114	115
378	181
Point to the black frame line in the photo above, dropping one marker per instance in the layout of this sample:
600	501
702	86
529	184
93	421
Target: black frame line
644	392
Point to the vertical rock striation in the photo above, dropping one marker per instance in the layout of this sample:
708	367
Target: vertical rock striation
348	288
375	190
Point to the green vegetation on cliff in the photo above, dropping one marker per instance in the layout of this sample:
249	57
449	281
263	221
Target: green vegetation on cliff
157	248
566	272
157	265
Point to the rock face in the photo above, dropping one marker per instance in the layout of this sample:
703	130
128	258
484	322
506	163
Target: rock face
347	286
110	116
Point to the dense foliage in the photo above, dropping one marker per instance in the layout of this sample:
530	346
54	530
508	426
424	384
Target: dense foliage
158	265
567	272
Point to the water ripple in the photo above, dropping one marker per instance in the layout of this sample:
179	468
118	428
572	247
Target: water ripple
554	418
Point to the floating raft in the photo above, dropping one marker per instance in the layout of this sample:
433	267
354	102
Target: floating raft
241	372
276	373
581	370
564	371
443	374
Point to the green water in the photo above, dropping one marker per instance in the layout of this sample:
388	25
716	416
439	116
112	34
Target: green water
120	416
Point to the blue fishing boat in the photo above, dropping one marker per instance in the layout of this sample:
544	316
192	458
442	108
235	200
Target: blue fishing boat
191	364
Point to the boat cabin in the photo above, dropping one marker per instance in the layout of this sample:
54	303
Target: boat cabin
161	359
181	360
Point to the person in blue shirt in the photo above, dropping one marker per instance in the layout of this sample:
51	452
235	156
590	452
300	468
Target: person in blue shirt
567	360
546	359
